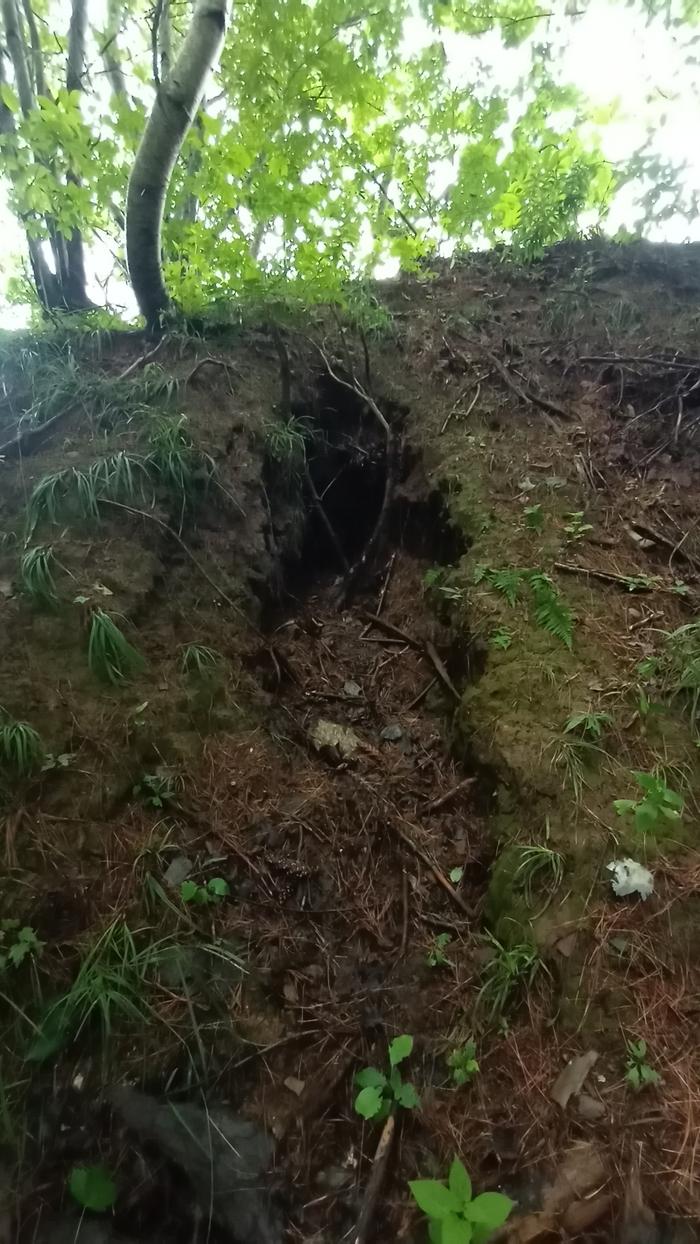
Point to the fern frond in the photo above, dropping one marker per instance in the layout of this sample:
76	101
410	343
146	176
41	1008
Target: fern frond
507	582
550	611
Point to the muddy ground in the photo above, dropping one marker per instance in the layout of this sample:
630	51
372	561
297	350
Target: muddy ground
401	629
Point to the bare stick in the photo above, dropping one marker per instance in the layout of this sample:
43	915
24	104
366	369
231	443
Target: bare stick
527	394
460	399
432	655
430	863
394	632
210	361
629	582
449	795
330	530
376	1179
387	580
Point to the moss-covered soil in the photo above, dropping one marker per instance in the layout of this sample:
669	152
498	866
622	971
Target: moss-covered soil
403	768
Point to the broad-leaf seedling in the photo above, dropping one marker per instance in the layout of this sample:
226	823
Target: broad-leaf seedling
379	1093
455	1216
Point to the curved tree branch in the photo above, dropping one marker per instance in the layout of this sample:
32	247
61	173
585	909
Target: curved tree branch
110	52
37	54
17	47
173	112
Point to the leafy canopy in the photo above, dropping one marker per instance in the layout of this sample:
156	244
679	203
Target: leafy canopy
332	137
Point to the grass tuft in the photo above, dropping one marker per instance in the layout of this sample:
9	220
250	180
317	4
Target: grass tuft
199	661
110	655
22	752
36	575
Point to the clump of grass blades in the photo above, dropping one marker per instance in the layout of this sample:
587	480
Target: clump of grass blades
112	984
539	868
512	969
286	441
76	492
36	575
680	666
22	752
173	456
110	655
198	660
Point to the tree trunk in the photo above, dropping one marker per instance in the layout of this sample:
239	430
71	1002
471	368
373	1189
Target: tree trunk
173	112
37	56
74	283
76	45
17	47
110	53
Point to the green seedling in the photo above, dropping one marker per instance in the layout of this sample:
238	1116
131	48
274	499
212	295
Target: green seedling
17	944
381	1094
214	891
454	1215
462	1063
501	638
36	575
156	789
93	1188
508	972
198	661
436	957
110	655
587	725
285	443
22	752
550	611
534	517
173	457
659	802
434	581
576	527
638	1073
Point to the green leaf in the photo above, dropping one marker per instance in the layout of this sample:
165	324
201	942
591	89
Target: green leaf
459	1182
434	1198
456	875
370	1077
219	887
92	1187
622	806
408	1097
369	1102
189	891
399	1049
9	97
489	1209
455	1230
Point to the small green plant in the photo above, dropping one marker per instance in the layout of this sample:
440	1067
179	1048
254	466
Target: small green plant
17	944
576	527
22	752
436	957
435	582
679	666
203	895
511	969
174	458
540	868
93	1188
658	802
462	1063
638	1073
110	655
550	611
501	639
285	443
587	725
534	517
507	581
198	661
380	1094
454	1215
156	789
36	575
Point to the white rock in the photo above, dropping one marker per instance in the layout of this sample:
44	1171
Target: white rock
629	877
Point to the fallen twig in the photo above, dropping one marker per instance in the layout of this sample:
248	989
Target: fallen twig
376	1179
210	361
648	360
385	585
631	583
394	632
404	909
425	647
461	397
675	549
526	394
328	526
449	795
435	870
432	655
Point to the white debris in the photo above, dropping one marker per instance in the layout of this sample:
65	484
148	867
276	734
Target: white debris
629	877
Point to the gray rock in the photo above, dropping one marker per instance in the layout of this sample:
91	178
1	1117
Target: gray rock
225	1158
177	871
590	1108
392	733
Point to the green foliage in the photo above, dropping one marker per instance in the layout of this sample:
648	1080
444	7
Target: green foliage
75	492
638	1073
173	457
455	1215
462	1063
198	661
510	970
286	440
576	527
534	517
436	957
110	655
36	575
380	1094
92	1187
587	725
550	611
22	752
204	895
156	789
17	944
435	583
540	868
659	803
678	666
501	638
